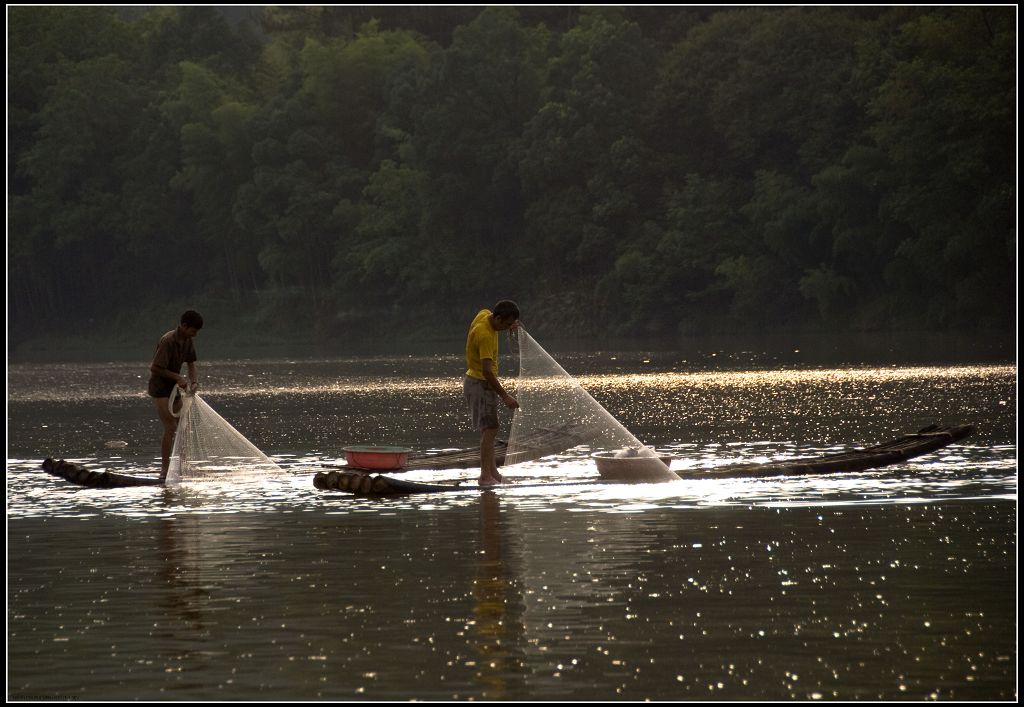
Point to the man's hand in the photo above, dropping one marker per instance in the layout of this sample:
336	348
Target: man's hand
510	401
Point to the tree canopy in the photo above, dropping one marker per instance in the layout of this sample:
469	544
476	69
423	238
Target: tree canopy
648	171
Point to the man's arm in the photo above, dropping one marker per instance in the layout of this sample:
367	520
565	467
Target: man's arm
488	368
168	373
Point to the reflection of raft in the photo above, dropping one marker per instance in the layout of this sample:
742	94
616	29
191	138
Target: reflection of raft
78	474
907	447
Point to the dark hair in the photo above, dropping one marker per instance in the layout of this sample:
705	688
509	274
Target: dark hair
193	319
506	309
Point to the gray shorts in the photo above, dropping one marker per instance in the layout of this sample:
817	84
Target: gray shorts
482	402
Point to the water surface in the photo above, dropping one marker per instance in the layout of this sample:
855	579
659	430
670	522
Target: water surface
892	584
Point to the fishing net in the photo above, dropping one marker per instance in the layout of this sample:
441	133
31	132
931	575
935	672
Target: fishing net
555	414
206	446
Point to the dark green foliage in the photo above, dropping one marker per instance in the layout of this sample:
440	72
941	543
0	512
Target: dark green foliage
638	171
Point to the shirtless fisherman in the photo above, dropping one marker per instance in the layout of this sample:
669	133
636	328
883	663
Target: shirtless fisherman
174	348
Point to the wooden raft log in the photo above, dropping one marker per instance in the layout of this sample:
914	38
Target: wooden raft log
359	483
78	474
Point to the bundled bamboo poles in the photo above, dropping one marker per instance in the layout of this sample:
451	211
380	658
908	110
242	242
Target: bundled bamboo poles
356	482
78	474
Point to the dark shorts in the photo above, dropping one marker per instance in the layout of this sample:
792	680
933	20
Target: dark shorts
161	388
482	403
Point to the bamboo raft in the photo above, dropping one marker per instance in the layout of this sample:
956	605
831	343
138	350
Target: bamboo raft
361	482
925	441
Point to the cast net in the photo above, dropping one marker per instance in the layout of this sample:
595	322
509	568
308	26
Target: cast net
555	414
207	447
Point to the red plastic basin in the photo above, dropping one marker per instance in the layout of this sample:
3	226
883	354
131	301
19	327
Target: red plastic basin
367	456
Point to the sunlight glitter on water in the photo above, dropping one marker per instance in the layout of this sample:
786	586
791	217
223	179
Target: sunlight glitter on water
56	382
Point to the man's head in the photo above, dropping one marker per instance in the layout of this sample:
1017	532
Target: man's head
506	314
191	322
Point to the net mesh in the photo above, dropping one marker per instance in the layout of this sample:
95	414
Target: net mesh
555	414
206	446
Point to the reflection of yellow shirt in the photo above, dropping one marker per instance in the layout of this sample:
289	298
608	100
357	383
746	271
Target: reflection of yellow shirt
481	343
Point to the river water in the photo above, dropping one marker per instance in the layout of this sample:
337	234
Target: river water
893	584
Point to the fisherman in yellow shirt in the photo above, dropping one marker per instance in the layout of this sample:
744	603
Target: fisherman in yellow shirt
481	385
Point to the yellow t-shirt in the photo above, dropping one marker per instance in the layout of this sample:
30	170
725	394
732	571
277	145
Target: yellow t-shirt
481	343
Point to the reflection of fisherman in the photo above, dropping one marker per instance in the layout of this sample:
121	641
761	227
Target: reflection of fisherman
498	630
181	561
174	349
481	385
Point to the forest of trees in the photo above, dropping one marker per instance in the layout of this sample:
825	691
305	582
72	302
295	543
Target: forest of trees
658	171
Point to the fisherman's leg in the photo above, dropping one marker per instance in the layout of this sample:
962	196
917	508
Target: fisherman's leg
170	426
488	467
